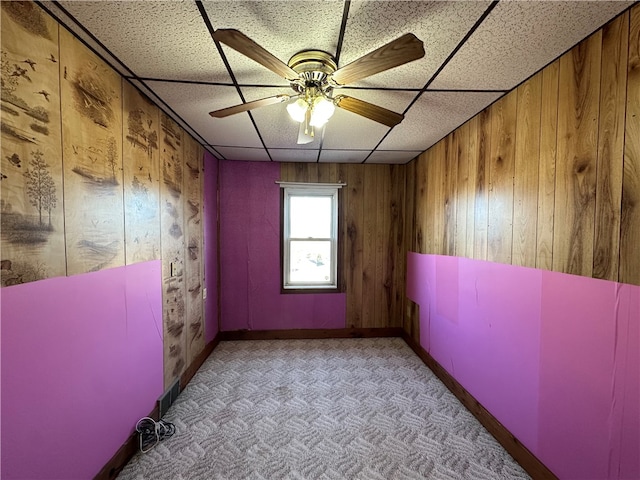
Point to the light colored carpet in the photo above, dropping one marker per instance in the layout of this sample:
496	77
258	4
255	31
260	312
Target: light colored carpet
321	409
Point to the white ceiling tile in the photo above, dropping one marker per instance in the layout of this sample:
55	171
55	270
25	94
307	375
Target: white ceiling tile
518	38
193	102
240	153
440	25
281	27
156	39
393	156
293	155
433	116
343	156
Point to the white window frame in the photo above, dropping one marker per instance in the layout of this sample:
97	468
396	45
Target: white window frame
309	190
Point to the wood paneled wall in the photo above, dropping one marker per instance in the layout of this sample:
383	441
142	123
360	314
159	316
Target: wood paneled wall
372	263
549	175
109	180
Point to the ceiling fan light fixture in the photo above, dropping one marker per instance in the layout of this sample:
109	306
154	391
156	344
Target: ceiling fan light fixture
322	111
297	110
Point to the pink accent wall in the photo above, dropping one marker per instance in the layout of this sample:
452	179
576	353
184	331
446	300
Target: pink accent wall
81	363
250	258
210	246
554	357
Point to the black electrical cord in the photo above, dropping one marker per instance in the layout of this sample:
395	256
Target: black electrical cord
151	432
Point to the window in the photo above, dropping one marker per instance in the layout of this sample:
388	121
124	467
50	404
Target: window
310	236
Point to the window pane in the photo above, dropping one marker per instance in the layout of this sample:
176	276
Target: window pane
310	217
310	261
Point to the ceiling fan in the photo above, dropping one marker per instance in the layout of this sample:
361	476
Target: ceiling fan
314	74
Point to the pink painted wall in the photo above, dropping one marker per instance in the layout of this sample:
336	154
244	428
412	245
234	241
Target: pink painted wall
250	258
210	246
554	357
81	363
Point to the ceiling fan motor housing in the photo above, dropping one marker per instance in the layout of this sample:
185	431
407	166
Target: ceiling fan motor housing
313	68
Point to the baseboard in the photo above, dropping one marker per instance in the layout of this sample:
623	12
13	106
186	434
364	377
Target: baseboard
527	460
191	370
114	466
312	333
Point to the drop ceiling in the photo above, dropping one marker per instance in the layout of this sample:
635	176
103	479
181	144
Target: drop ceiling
476	51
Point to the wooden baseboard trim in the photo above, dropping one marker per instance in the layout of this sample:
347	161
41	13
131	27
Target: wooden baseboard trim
527	460
312	333
114	466
191	370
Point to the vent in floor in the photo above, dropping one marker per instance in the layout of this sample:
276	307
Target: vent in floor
168	397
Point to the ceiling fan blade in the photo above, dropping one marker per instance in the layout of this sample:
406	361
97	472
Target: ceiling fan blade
402	50
243	107
243	44
369	110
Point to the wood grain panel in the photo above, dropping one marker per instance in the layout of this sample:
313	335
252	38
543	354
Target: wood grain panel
463	189
343	175
450	193
397	254
328	173
472	181
424	205
481	213
194	260
141	141
287	172
630	220
547	165
525	185
91	97
410	204
501	171
437	180
173	247
578	105
369	237
410	223
32	240
384	256
613	93
354	244
412	321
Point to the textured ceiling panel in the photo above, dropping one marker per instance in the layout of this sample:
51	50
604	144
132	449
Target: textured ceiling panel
249	154
343	156
159	39
433	116
281	27
519	38
293	155
194	102
393	156
440	25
